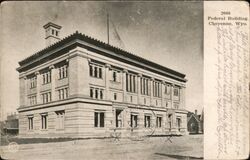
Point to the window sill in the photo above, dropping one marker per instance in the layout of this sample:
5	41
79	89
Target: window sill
132	93
62	78
96	77
46	83
115	82
100	128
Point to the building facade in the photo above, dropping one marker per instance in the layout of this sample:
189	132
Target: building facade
81	87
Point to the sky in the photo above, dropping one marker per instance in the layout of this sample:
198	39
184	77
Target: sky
168	33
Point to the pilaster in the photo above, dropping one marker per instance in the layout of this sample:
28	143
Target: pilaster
53	78
139	88
151	91
182	97
172	95
23	90
124	84
38	86
78	73
107	82
162	94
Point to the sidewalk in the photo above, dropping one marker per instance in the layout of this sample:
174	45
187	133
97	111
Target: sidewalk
149	148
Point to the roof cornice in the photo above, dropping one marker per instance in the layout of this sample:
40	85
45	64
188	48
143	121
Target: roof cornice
75	37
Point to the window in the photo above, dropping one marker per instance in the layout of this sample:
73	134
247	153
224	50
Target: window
147	121
101	94
30	122
46	97
133	120
44	120
91	70
56	33
158	122
115	96
130	83
114	76
63	72
144	86
91	92
99	119
96	93
52	31
176	91
95	71
60	116
32	100
118	118
63	93
156	89
100	73
168	89
33	82
46	77
178	122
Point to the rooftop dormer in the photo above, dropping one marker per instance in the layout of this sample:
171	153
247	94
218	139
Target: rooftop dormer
52	33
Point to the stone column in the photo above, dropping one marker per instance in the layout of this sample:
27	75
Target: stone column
107	80
124	84
38	86
53	85
78	73
139	88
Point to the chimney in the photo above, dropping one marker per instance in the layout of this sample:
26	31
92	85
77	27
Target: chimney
52	32
195	112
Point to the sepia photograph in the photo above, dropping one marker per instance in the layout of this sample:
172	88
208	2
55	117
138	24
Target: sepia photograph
101	80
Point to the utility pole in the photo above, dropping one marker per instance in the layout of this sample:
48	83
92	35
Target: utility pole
108	26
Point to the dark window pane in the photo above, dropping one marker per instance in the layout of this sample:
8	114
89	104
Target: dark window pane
101	94
101	119
90	70
100	72
91	92
131	121
96	93
95	72
96	119
114	76
126	82
135	121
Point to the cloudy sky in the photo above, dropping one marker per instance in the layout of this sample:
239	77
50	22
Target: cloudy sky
168	33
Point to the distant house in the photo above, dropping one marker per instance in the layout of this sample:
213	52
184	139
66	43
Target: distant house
2	125
11	124
195	122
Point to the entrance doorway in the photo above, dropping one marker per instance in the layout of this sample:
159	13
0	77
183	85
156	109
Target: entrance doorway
178	120
118	118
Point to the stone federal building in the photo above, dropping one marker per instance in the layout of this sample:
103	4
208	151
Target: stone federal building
81	87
